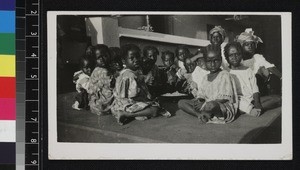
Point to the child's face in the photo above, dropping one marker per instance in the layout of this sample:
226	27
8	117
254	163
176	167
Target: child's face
86	68
182	54
249	47
189	65
151	55
216	39
117	65
168	60
132	60
101	57
201	63
234	57
89	51
213	61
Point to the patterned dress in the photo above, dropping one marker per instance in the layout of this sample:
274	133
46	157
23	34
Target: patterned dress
222	87
101	91
131	92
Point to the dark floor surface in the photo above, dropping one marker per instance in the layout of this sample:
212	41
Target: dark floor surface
83	126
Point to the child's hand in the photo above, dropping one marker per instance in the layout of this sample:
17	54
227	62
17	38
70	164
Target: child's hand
257	105
198	104
151	81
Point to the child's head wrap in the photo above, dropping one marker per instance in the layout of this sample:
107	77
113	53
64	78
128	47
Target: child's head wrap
218	29
248	36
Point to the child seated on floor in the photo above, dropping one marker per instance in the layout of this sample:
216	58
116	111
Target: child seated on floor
101	86
151	71
81	79
247	90
217	100
264	71
132	98
168	73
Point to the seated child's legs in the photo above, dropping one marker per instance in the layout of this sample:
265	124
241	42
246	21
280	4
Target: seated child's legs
147	112
188	106
213	108
270	102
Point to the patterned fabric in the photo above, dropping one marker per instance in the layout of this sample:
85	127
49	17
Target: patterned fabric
219	30
100	91
256	62
246	86
82	80
222	87
248	36
131	92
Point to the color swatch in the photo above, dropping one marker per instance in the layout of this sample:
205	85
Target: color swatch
7	82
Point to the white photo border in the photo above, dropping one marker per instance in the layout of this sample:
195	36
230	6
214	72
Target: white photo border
170	151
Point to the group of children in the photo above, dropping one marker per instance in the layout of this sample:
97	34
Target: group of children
222	80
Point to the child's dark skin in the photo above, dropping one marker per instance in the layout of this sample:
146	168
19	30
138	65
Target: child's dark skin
132	62
249	49
213	63
234	59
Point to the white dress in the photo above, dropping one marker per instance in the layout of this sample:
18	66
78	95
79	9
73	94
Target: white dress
246	86
198	75
256	62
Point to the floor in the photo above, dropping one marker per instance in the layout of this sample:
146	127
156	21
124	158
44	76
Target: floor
83	126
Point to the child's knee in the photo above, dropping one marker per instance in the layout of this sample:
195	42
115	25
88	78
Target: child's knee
277	100
181	104
154	111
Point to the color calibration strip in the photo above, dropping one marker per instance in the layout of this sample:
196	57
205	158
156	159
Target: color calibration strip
7	83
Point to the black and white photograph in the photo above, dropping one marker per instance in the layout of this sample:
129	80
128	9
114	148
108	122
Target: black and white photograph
169	85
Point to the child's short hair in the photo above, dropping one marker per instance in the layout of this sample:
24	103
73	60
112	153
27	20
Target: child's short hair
237	45
102	47
148	48
115	53
211	48
164	53
89	48
91	62
184	47
128	47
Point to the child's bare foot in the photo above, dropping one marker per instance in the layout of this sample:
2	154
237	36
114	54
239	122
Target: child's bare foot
76	105
120	116
255	112
141	118
165	113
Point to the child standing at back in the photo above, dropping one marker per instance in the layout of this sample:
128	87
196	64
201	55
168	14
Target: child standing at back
100	87
132	98
81	79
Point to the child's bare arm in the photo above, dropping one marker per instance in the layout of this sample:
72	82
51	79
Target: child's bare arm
257	103
275	71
